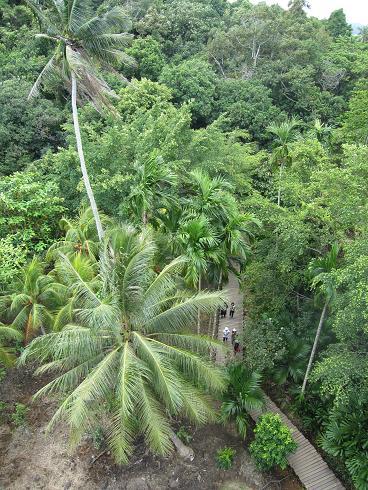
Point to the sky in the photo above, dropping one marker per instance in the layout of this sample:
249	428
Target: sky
356	10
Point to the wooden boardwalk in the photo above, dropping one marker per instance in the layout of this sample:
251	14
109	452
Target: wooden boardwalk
306	462
232	292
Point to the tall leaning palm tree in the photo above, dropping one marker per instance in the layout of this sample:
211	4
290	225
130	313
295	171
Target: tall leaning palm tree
84	43
285	134
130	359
320	270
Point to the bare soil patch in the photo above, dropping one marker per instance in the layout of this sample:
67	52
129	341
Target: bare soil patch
31	459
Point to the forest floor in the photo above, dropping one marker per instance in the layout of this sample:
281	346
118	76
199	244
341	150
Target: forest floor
31	459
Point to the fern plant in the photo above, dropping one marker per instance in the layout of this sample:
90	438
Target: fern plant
243	394
345	437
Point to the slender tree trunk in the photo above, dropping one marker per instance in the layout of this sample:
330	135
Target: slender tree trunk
86	181
199	311
219	282
314	348
216	318
144	217
215	325
280	180
211	321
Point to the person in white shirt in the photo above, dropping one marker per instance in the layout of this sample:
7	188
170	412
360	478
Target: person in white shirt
226	332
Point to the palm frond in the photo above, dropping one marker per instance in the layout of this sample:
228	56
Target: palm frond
166	383
153	424
183	314
48	73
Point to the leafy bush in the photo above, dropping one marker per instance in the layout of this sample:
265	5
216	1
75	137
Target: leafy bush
273	442
12	257
225	458
98	438
19	416
184	435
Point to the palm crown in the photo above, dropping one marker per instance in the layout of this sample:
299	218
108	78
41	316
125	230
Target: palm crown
84	42
130	353
36	296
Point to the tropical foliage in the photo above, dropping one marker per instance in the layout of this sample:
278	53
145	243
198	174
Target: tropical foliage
273	442
237	141
130	353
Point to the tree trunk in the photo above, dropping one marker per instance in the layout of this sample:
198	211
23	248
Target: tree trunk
211	320
144	217
280	179
215	325
219	285
184	451
314	348
199	311
87	184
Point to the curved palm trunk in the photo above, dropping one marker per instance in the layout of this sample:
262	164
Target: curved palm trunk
314	348
280	179
86	181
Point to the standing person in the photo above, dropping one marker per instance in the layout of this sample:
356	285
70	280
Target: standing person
232	310
226	306
233	335
236	347
225	335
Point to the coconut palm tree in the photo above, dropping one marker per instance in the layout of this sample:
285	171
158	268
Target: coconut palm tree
151	184
7	356
35	298
321	272
130	358
80	237
198	243
212	198
285	134
84	42
234	238
87	270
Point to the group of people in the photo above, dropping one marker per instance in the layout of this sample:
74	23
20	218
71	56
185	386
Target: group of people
226	332
223	311
234	338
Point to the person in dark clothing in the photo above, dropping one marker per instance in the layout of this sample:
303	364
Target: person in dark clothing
236	347
232	310
226	306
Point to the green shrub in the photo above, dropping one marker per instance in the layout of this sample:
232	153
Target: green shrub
184	435
19	416
273	442
225	458
98	438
